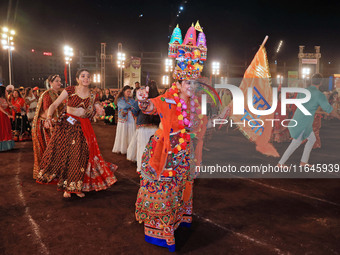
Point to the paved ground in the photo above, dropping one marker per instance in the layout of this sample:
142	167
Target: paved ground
232	216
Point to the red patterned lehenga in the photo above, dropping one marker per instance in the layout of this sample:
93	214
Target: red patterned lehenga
72	157
40	135
6	139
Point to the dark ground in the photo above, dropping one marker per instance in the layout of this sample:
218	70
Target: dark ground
232	216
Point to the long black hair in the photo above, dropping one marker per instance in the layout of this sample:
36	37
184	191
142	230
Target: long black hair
3	92
153	90
52	77
121	93
80	71
27	91
19	95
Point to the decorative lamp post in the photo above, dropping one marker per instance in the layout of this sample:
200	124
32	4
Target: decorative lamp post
8	44
121	65
96	78
68	52
165	80
215	69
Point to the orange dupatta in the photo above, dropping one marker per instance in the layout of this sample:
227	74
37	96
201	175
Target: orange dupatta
169	120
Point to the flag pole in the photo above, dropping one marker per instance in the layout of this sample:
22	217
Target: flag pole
264	41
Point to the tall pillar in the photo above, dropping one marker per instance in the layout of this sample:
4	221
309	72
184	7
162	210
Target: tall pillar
102	65
317	56
300	56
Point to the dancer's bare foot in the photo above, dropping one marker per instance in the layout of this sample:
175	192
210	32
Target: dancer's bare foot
80	194
279	165
67	194
305	164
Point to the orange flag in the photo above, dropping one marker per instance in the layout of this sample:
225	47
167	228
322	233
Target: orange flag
257	76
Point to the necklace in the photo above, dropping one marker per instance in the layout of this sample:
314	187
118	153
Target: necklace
186	117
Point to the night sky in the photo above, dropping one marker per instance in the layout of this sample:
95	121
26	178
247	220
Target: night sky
234	29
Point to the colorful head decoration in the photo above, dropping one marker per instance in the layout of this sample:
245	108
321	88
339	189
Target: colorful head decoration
190	37
176	37
189	54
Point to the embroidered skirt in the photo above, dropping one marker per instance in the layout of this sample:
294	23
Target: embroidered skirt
40	137
73	159
6	139
163	205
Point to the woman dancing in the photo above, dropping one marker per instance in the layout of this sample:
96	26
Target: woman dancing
164	200
127	110
72	156
41	135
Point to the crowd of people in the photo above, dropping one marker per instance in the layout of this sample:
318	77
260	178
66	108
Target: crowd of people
20	105
134	127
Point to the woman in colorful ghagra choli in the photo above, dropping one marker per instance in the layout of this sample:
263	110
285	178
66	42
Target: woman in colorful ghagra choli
72	156
6	139
41	135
